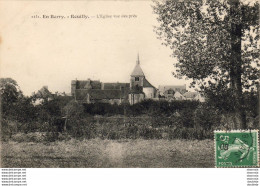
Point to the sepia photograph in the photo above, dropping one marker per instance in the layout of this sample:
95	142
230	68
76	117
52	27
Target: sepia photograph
129	84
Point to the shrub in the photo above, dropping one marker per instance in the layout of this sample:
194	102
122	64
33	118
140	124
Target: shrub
206	117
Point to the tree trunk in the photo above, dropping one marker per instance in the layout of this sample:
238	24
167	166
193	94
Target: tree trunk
258	91
65	124
236	66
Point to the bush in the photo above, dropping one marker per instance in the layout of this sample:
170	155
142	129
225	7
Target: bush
147	107
206	117
147	120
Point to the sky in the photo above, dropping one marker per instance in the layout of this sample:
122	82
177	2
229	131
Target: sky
51	52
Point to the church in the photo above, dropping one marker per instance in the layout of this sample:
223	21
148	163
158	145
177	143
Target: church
139	89
92	91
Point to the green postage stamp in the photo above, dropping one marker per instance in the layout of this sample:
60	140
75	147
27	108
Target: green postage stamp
236	148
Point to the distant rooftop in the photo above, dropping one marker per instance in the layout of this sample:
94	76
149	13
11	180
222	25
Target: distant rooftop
179	88
101	94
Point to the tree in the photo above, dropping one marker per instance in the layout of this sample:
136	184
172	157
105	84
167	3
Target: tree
14	104
72	111
10	94
216	44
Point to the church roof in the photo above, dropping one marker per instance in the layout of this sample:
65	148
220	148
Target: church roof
147	84
87	84
101	94
116	85
137	70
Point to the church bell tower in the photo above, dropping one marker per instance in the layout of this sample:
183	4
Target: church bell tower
137	76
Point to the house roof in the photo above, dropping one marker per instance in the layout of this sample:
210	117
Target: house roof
43	93
190	94
178	94
101	94
169	91
115	85
180	88
81	94
88	84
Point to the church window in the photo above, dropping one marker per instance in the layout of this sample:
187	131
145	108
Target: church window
136	78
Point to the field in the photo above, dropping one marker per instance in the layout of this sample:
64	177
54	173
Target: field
109	153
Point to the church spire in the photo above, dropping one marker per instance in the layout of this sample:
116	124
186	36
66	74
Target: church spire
137	70
138	61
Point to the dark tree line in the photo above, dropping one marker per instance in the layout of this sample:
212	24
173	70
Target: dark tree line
148	119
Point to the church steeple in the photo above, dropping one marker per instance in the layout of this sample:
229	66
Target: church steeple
137	70
138	61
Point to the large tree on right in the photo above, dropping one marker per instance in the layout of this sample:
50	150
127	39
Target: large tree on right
216	43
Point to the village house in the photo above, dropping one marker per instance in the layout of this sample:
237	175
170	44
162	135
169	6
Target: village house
196	96
44	95
176	88
172	92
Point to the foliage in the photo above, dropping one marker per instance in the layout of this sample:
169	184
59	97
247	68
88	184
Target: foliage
224	101
251	103
104	109
199	33
144	127
216	44
10	94
73	110
52	108
149	119
206	117
150	107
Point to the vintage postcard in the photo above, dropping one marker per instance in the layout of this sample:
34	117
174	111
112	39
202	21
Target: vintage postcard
129	84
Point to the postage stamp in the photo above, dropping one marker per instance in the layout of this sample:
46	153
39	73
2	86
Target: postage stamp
236	148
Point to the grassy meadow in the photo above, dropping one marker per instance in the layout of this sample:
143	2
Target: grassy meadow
109	153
